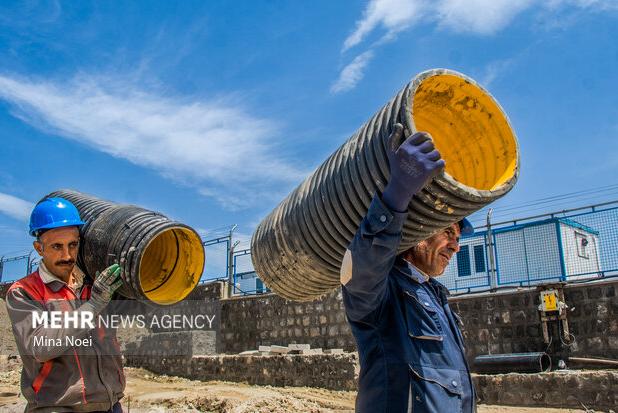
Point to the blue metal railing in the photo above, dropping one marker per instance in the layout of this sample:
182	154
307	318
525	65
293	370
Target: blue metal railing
526	251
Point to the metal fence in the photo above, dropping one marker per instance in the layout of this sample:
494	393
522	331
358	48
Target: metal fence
18	264
570	246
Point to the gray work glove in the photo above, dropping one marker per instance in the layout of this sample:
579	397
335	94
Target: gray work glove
412	165
105	285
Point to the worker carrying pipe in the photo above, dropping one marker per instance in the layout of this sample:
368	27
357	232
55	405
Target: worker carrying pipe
410	346
67	365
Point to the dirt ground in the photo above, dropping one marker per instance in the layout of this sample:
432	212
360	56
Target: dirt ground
148	392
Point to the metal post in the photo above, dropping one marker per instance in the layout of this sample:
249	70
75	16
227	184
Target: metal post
228	245
235	255
232	275
30	263
1	266
489	244
230	262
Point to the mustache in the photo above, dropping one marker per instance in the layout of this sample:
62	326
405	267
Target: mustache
69	262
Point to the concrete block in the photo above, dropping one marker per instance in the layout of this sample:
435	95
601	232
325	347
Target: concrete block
333	351
306	352
279	350
299	346
264	348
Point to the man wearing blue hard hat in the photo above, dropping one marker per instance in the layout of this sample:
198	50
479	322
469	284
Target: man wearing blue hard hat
68	366
409	341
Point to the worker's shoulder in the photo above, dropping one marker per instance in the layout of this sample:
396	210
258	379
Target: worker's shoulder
31	283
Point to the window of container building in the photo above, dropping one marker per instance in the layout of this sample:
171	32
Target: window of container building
479	258
463	261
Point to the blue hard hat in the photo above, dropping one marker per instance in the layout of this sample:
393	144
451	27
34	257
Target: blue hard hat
465	227
53	213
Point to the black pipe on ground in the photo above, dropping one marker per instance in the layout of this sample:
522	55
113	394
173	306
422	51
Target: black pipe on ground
162	260
512	363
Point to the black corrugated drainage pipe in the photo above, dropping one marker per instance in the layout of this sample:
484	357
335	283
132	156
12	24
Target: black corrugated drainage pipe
512	363
162	260
297	249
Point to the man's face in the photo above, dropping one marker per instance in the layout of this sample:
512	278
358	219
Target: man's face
58	248
433	254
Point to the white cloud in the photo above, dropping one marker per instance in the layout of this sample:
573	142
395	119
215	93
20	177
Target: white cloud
480	17
213	145
483	17
393	15
494	70
352	73
15	207
475	16
584	4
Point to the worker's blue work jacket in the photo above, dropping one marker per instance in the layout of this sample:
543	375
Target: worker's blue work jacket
410	347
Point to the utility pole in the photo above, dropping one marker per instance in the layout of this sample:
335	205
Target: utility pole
230	262
489	243
30	263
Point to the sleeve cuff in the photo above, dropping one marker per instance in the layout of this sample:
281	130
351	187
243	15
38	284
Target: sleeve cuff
382	219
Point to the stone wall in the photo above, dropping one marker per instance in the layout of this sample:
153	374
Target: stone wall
596	390
176	343
593	319
248	322
574	389
509	322
329	371
501	322
497	323
494	323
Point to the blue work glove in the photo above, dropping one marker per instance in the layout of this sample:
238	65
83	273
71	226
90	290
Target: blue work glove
412	166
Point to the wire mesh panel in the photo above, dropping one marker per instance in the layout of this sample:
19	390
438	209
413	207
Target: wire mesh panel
246	280
554	247
528	254
217	262
15	267
590	244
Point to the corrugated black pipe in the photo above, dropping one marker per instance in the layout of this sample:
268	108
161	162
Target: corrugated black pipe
162	260
512	363
297	249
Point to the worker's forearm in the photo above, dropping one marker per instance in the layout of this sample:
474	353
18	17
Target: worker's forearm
371	255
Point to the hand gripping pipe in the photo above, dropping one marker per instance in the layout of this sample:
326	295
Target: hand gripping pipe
297	249
162	260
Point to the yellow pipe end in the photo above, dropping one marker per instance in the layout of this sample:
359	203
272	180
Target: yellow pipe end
469	129
171	265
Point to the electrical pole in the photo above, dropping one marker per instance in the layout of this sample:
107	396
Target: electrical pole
230	262
489	243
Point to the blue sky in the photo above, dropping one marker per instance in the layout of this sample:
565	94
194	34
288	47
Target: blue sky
211	112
